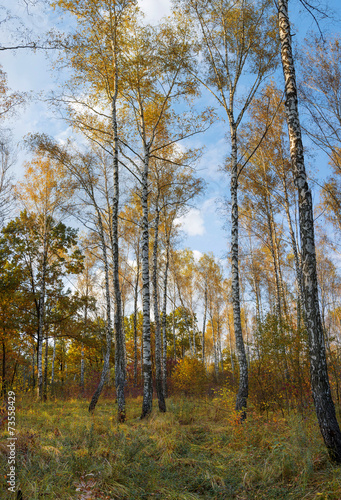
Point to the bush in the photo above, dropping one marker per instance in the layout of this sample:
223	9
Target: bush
189	377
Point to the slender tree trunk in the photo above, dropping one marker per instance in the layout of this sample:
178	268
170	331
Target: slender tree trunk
243	389
194	333
147	359
33	369
158	356
219	345
52	366
173	333
46	366
164	322
215	351
296	254
120	358
136	293
324	405
14	370
271	229
42	314
85	331
106	361
185	317
204	324
230	339
254	281
247	337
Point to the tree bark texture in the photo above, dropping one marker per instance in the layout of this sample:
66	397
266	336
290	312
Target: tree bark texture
243	389
147	358
42	314
204	323
158	355
324	405
164	322
46	366
52	365
136	294
106	361
120	359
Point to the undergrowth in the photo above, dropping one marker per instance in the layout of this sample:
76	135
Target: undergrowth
197	450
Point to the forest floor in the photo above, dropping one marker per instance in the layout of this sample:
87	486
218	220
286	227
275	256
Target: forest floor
198	449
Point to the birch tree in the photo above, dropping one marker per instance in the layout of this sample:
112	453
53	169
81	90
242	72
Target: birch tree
156	78
237	39
324	405
95	53
174	185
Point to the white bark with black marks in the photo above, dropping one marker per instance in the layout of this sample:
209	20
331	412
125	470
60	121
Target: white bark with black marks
324	405
158	356
136	293
243	389
41	317
164	321
120	358
147	355
106	361
204	323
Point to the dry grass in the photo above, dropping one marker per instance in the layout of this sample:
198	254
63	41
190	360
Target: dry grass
196	450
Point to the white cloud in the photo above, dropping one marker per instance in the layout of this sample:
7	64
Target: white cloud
197	255
155	9
192	223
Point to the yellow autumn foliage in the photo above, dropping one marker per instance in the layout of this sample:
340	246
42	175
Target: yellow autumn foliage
189	377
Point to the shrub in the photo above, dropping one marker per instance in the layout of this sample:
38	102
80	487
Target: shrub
189	377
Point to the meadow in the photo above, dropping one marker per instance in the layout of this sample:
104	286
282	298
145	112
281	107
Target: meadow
197	450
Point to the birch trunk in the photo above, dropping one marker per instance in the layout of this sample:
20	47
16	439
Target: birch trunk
33	369
120	358
194	332
52	366
158	356
164	322
106	360
185	317
254	282
147	360
120	361
324	405
219	345
243	389
230	339
136	292
85	331
296	254
204	324
82	369
46	366
173	333
42	315
215	351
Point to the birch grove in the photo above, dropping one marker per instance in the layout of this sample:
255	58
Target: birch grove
111	284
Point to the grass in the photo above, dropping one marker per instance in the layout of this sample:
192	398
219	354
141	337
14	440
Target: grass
197	450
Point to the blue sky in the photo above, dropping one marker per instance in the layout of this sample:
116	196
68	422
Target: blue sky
30	72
